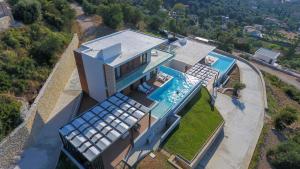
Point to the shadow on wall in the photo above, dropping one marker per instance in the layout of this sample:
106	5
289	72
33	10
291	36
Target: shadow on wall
47	145
211	151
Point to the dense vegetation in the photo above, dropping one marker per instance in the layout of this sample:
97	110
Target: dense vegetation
29	52
9	115
286	155
205	18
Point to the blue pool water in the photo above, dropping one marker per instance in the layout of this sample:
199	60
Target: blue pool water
172	92
223	64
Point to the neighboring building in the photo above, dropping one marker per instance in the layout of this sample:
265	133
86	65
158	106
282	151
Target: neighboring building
266	55
258	27
6	18
225	21
253	31
118	60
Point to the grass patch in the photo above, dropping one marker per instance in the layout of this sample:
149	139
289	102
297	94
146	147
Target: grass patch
198	123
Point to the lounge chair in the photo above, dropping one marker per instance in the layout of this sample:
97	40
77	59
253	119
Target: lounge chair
148	86
162	77
142	89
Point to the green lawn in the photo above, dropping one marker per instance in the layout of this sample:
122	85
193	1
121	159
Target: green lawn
197	124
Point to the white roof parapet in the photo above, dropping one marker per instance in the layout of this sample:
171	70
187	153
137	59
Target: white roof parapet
132	44
98	128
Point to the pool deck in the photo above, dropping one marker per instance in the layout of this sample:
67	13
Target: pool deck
142	97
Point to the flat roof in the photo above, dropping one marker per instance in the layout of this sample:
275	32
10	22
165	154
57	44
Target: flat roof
268	53
98	128
132	43
192	52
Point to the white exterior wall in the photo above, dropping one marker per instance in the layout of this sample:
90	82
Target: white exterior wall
95	78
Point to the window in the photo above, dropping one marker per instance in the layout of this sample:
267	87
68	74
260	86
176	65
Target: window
144	58
117	73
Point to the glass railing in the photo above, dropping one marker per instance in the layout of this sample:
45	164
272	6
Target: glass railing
160	58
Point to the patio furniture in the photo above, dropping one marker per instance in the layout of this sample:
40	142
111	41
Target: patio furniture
148	86
162	77
142	89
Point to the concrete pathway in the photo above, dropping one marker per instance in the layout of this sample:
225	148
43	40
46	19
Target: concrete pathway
45	153
243	124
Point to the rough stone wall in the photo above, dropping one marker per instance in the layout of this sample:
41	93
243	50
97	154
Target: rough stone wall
5	23
37	115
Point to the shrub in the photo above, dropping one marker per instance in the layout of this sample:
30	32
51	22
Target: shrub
285	118
9	115
89	8
238	86
5	82
155	22
112	15
44	52
285	156
293	93
28	11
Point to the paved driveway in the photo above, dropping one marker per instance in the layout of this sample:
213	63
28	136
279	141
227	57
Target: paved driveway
243	124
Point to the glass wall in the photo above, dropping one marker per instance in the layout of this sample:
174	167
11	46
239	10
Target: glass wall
130	66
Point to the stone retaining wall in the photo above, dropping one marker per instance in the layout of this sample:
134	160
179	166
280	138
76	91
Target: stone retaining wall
5	23
38	114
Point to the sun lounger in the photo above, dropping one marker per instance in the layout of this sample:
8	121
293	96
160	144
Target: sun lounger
142	89
147	86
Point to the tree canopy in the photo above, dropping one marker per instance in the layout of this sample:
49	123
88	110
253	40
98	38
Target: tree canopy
28	11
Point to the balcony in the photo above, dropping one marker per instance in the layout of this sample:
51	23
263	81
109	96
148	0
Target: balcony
156	61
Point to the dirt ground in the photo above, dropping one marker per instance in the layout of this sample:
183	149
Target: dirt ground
270	141
289	35
159	162
234	77
89	26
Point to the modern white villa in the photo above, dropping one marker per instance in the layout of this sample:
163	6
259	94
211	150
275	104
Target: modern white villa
141	82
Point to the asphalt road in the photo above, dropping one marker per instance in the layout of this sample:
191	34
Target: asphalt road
284	77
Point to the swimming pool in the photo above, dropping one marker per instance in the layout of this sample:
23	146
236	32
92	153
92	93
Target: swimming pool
173	92
223	64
